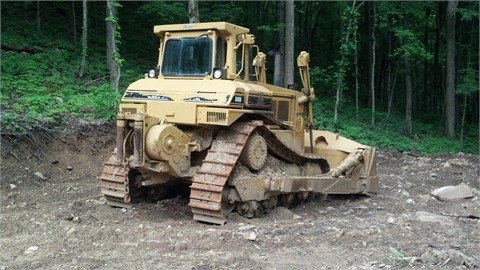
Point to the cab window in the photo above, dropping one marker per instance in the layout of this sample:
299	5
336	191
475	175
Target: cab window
187	57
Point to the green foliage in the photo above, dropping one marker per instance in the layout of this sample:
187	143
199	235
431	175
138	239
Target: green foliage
41	89
412	46
399	256
406	22
272	28
165	12
389	133
323	78
214	11
468	14
468	81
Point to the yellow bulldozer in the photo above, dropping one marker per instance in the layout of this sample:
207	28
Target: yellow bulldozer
206	117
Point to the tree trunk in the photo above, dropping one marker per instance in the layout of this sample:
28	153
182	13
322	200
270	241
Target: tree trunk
289	41
424	100
391	92
38	15
389	75
372	70
450	76
408	103
74	24
281	42
84	39
356	73
463	118
112	50
193	16
437	86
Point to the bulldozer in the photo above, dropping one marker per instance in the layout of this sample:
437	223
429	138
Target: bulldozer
206	118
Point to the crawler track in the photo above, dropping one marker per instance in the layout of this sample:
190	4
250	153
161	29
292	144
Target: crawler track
210	179
114	183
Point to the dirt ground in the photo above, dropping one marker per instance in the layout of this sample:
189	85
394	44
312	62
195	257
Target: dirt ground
52	216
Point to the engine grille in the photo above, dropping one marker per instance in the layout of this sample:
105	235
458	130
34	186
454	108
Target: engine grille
216	117
129	110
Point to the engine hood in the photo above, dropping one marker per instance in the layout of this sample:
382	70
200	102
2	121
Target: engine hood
220	92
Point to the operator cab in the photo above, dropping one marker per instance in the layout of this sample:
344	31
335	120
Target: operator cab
202	51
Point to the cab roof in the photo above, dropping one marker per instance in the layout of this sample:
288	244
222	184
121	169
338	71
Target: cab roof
224	27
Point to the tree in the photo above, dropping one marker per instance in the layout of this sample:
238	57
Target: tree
408	95
468	83
74	24
345	51
193	16
450	76
372	67
84	39
281	44
38	15
113	38
289	41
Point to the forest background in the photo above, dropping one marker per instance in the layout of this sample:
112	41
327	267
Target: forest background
394	75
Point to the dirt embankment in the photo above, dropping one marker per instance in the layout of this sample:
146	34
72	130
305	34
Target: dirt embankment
54	217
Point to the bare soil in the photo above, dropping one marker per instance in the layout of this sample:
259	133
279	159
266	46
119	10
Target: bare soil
52	216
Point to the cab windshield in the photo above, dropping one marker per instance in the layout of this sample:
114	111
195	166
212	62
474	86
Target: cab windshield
187	57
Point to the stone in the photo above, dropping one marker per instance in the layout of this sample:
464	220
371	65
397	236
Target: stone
69	168
296	217
179	246
447	257
460	162
40	175
246	227
252	236
391	220
35	265
433	218
69	232
30	250
449	193
12	186
281	213
423	161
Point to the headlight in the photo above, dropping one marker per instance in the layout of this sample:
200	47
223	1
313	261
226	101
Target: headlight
217	73
152	73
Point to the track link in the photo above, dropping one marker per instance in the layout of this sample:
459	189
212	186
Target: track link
114	183
210	179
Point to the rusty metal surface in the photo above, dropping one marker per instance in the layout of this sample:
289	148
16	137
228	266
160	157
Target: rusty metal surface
114	183
210	179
